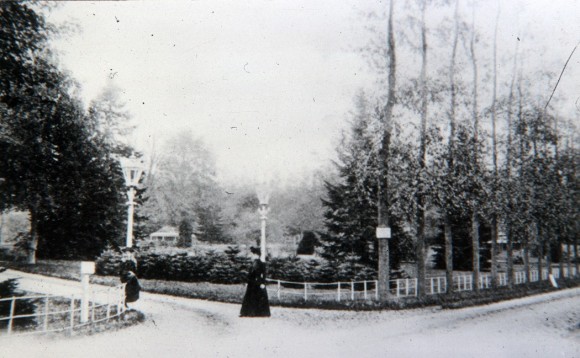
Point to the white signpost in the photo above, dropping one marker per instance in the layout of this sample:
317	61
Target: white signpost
87	268
383	232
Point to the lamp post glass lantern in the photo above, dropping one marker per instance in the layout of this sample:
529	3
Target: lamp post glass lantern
132	171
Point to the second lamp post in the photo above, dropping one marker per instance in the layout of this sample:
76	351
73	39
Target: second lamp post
132	170
263	197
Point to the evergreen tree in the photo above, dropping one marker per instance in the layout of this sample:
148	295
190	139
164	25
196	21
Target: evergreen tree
351	203
185	230
51	161
211	227
307	244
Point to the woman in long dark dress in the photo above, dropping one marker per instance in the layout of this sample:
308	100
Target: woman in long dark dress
255	302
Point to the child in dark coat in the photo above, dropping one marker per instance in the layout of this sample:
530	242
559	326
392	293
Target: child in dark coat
132	287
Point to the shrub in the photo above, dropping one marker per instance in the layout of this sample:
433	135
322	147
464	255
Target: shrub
8	288
229	267
307	244
108	263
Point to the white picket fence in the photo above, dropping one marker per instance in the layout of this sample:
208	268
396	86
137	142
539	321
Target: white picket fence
405	287
60	313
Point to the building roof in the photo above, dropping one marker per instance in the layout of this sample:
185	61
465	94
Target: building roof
166	231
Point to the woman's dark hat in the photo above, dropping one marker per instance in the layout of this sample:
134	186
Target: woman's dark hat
255	250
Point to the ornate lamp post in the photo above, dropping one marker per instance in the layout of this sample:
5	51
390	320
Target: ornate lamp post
132	170
263	197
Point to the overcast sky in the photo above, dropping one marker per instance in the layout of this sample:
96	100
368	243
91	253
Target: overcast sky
266	84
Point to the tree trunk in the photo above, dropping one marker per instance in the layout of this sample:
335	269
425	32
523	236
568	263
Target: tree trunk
537	240
568	261
474	216
576	255
508	228
527	262
33	244
420	252
510	257
561	258
383	199
494	237
548	260
451	154
448	254
494	220
475	247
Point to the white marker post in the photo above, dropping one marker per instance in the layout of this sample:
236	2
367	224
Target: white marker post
87	268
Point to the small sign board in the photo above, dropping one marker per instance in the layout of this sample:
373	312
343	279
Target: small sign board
87	267
383	232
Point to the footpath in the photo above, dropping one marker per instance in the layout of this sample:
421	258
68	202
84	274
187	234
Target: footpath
537	326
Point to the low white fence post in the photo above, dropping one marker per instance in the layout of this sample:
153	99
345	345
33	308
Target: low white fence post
87	268
45	325
92	304
72	313
108	304
278	292
338	292
352	290
365	289
305	291
377	289
397	281
120	302
11	319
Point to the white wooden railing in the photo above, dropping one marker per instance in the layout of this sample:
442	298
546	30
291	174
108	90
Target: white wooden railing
405	287
59	313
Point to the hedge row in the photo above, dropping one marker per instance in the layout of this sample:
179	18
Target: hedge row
230	267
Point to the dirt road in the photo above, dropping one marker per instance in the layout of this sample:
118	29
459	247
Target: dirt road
539	326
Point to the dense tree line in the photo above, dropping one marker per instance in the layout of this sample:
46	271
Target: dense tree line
57	160
452	171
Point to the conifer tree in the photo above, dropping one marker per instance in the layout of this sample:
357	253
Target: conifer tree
351	202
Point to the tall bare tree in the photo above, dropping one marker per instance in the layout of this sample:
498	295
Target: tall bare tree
507	188
387	118
475	116
451	153
421	196
494	198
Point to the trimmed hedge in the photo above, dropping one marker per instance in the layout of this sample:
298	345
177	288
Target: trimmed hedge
230	267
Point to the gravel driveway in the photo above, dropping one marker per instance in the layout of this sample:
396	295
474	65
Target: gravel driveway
539	326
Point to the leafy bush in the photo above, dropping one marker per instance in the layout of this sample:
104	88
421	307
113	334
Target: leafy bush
108	263
307	244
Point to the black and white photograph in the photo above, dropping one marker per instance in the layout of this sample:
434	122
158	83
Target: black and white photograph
289	178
